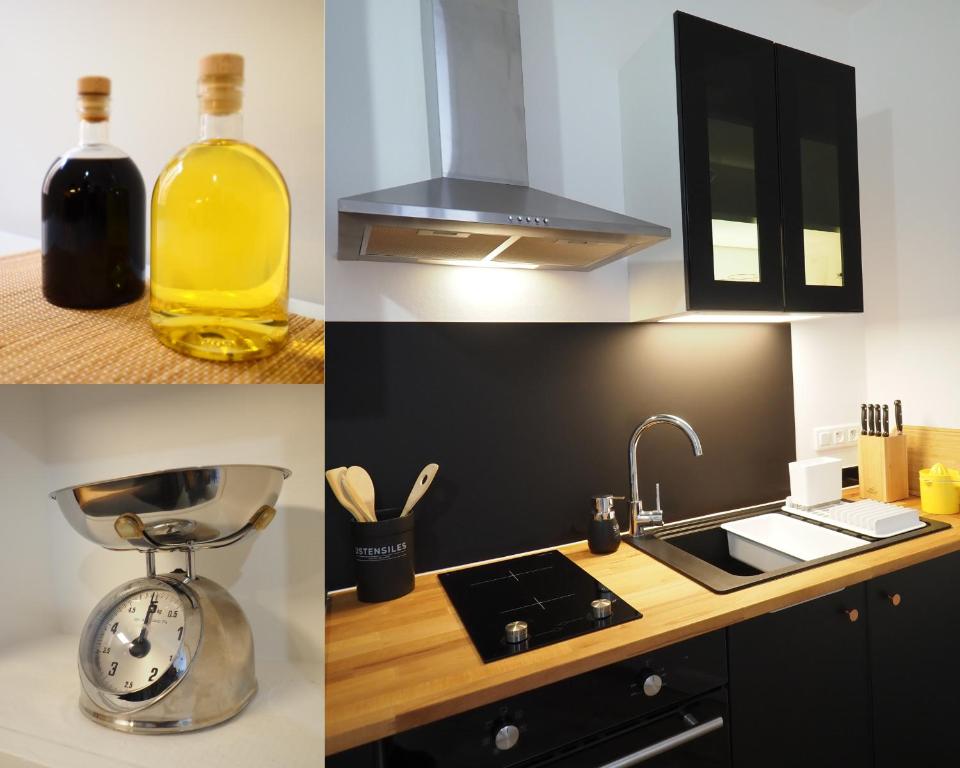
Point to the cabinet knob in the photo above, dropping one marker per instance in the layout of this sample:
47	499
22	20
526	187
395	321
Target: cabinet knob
651	683
506	737
852	613
894	599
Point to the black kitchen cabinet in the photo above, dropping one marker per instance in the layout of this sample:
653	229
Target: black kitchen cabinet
914	621
768	158
726	85
820	191
365	756
800	686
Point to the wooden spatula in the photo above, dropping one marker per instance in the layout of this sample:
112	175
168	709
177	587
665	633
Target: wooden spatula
334	478
354	498
359	487
420	487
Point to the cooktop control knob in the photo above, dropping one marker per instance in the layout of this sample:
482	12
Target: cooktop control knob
602	608
651	683
516	632
506	736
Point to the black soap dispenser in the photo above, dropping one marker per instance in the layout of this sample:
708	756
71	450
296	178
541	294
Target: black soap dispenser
604	534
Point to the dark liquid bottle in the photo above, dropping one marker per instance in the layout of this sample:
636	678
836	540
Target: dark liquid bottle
94	216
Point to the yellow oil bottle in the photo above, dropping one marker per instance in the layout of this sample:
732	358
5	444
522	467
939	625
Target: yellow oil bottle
220	234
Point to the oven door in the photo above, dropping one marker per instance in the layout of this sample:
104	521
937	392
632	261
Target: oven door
696	735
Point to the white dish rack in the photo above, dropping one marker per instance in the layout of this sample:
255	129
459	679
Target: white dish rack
870	518
773	541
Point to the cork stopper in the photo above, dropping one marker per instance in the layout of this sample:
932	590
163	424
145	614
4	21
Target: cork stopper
93	98
221	83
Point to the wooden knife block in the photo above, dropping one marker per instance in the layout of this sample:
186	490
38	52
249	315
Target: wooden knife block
883	467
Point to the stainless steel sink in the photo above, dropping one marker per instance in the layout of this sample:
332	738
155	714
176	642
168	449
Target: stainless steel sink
698	549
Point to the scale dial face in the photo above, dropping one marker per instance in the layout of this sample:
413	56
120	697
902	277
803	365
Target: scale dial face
137	642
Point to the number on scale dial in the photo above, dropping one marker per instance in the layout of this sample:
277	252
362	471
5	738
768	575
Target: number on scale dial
138	641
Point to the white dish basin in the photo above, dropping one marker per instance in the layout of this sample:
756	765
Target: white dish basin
772	541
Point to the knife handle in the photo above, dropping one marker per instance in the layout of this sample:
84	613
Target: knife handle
863	418
870	421
898	416
886	420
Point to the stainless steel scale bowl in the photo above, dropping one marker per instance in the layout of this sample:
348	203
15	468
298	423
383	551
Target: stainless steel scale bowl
170	652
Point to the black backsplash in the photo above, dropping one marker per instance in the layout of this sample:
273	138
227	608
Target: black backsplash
528	421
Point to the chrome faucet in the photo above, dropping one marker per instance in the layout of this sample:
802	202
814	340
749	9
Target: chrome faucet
641	521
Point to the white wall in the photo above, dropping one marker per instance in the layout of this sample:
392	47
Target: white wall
28	603
829	380
73	434
907	62
903	346
150	51
572	49
573	52
906	57
377	137
828	354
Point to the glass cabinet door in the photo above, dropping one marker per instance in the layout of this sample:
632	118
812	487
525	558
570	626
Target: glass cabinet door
819	186
726	82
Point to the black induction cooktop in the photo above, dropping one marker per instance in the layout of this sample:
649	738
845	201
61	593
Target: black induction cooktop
547	591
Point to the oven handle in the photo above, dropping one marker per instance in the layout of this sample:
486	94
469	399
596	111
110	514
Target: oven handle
668	744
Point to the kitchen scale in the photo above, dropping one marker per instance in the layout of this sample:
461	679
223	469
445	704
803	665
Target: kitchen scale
169	652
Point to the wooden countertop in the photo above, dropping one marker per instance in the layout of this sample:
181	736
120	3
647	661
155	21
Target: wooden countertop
393	666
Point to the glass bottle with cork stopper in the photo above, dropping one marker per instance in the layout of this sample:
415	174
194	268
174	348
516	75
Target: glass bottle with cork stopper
93	210
220	234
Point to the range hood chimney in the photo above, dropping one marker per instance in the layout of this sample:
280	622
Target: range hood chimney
478	210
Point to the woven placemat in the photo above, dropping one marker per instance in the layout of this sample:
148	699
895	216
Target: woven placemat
44	344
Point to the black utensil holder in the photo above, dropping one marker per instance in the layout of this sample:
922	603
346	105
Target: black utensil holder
383	558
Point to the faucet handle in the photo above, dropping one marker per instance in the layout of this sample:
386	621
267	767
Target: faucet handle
653	517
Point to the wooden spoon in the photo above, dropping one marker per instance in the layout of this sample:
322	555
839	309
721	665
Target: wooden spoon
354	497
359	487
334	478
420	487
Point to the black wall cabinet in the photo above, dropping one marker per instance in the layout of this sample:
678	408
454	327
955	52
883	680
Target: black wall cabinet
768	154
800	686
914	620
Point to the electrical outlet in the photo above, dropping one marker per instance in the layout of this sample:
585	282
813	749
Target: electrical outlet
836	436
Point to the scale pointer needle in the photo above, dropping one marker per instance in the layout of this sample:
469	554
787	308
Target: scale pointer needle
140	647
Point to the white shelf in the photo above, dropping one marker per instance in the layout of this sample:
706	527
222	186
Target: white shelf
41	723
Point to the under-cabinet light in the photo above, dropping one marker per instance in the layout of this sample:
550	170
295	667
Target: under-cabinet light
442	233
731	317
484	263
501	248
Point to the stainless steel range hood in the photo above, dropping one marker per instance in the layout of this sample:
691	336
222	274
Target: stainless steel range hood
479	209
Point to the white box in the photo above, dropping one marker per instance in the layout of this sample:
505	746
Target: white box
815	481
